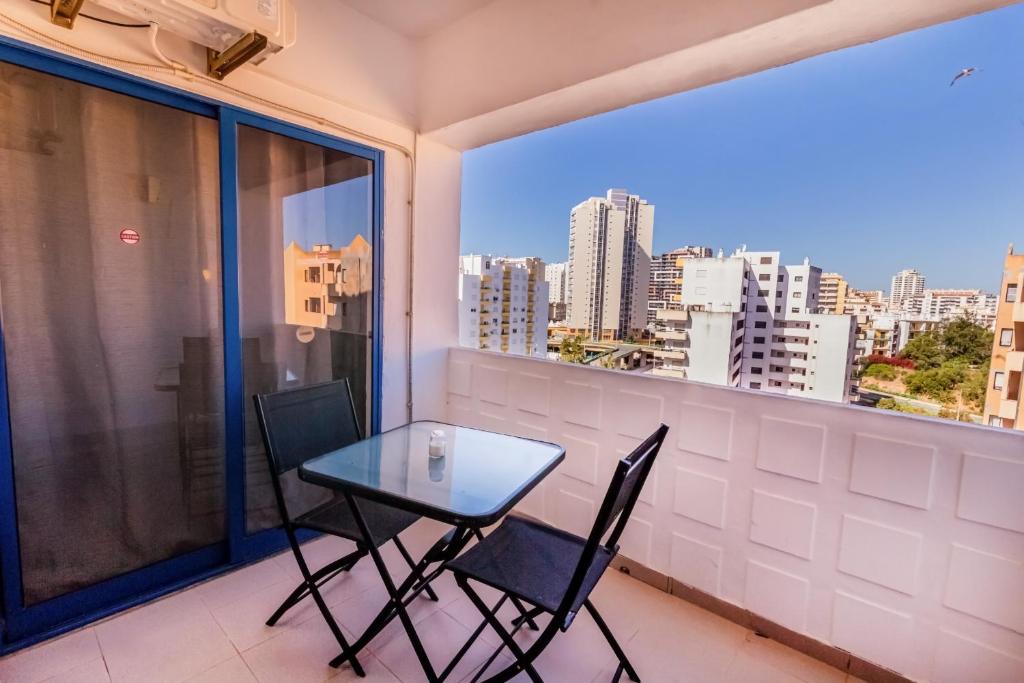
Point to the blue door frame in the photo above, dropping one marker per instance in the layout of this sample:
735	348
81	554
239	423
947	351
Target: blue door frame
23	625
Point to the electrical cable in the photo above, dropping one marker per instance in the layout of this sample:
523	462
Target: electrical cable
109	22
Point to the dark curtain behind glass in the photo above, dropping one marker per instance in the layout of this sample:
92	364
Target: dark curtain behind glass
296	197
114	353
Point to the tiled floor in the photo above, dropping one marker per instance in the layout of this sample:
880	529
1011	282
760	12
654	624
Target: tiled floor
215	632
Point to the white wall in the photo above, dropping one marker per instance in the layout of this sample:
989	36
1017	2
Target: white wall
897	538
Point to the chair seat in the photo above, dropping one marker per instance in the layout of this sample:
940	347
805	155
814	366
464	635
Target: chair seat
335	517
531	561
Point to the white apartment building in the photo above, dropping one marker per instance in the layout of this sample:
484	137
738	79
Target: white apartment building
748	321
905	284
609	268
554	275
665	289
503	304
948	304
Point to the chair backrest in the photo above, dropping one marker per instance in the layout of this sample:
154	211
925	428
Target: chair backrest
299	424
627	482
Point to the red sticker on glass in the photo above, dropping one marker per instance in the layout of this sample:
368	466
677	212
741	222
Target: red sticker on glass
129	236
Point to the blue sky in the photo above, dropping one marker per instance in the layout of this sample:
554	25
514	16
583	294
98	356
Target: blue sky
865	160
333	214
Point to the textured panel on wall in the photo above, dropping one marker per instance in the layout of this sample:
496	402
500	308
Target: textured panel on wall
705	430
872	631
880	553
795	449
986	586
531	393
783	523
991	490
777	595
892	470
636	415
460	378
581	459
898	538
580	404
700	497
491	384
959	659
696	564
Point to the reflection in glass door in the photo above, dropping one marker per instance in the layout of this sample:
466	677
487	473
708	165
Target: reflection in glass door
110	293
305	234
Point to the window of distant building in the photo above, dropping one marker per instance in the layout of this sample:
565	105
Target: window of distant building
798	278
766	259
757	354
760	324
755	385
762	309
998	380
759	340
1011	293
764	277
1005	337
795	309
778	309
798	295
756	371
762	292
312	305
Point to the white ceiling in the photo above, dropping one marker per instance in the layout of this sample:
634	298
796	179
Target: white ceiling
416	18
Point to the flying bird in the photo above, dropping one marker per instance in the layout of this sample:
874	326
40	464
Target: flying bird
963	72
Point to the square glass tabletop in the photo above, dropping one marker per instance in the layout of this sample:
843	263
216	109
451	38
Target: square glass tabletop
478	479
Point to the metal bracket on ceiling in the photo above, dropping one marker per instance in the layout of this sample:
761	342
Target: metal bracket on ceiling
64	12
220	64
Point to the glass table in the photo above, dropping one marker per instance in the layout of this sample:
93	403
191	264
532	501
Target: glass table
480	477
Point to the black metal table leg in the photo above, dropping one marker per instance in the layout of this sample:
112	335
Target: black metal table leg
399	596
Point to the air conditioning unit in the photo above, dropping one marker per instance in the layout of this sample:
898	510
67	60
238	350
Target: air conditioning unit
233	31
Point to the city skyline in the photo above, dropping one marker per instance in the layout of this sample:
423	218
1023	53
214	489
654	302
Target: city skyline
753	161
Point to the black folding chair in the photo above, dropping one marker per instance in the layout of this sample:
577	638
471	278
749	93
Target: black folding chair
299	424
552	570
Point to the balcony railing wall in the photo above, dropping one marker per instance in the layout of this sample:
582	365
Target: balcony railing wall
897	538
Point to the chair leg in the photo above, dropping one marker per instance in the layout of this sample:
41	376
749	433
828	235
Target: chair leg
314	590
320	577
623	661
522	663
412	565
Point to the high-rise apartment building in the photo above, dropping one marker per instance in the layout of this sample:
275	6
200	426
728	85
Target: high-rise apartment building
610	241
947	304
748	321
666	284
555	276
1003	405
905	284
503	304
832	298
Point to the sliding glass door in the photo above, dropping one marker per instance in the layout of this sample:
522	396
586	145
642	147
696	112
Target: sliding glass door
305	229
111	304
162	258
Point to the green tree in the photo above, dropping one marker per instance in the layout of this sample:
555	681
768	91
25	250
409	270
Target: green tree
937	383
965	340
571	350
925	350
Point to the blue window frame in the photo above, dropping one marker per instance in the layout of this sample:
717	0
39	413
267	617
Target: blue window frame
23	625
